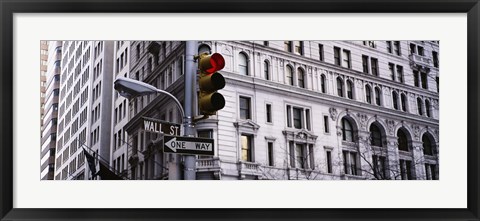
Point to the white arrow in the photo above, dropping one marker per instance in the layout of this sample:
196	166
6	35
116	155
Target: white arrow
170	144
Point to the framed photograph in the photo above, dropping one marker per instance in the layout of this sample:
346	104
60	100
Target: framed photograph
239	110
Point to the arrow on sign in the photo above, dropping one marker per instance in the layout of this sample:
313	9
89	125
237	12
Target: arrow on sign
187	143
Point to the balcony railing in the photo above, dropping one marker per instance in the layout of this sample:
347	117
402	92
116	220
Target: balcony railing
420	60
208	164
249	168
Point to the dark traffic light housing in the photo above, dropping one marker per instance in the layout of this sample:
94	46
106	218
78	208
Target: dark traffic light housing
209	100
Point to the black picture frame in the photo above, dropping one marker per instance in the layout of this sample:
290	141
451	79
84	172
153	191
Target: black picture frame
9	7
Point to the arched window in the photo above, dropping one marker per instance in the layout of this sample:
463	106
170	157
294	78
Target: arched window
395	100
242	64
204	49
420	106
349	89
375	136
403	99
323	83
339	86
378	96
301	78
427	108
427	145
347	131
368	94
289	75
266	70
402	140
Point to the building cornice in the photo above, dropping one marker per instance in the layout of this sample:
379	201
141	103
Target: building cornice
332	68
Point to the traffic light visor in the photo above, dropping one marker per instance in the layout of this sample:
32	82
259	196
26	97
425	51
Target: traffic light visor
212	63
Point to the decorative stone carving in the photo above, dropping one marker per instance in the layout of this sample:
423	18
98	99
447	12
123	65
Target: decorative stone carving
247	125
416	131
333	113
392	143
339	131
363	120
390	126
359	83
302	135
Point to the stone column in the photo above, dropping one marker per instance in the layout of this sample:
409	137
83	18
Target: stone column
365	154
393	168
418	160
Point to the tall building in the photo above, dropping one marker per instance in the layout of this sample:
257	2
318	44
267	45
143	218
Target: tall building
85	107
298	110
43	79
119	144
161	65
50	77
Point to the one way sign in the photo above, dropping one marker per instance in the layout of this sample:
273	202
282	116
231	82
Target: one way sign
188	145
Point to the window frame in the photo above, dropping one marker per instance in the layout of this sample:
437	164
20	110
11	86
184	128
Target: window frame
241	67
248	109
249	150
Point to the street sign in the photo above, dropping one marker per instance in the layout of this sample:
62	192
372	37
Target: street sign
159	126
188	145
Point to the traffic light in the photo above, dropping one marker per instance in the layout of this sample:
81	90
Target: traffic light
209	100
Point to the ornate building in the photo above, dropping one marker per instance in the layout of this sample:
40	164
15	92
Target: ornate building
298	110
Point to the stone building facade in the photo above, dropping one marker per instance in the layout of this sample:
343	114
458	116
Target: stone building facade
299	110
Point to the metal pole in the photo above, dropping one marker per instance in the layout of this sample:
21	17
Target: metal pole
190	82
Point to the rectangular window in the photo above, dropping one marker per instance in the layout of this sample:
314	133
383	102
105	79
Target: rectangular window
299	156
326	124
336	55
350	162
416	78
270	154
396	48
205	133
365	63
391	68
297	118
346	59
138	51
430	172
389	46
424	80
268	110
405	169
435	59
370	44
245	108
374	63
247	148
329	161
265	43
289	116
288	46
421	52
400	73
413	49
299	47
320	52
307	118
379	169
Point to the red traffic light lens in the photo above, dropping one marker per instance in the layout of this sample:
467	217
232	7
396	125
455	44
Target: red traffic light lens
217	62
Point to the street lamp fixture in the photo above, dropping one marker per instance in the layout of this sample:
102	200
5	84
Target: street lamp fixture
130	88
